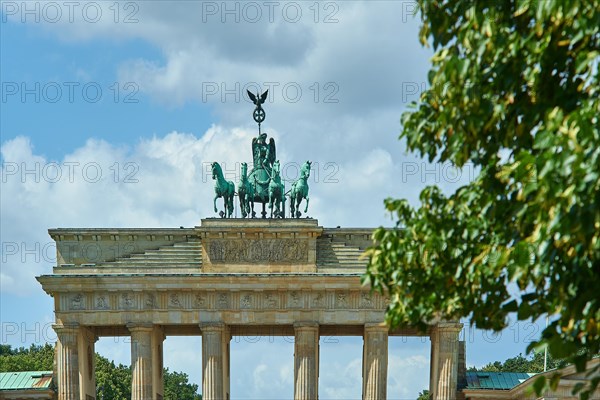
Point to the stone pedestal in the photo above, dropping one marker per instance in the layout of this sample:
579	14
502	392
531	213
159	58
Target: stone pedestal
259	245
444	360
146	361
215	361
306	361
375	362
67	362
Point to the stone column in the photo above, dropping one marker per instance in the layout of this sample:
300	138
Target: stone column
306	361
215	361
86	339
433	362
444	350
158	385
375	362
226	362
67	362
141	361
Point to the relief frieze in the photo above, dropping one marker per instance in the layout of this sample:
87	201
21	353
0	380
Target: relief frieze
199	301
246	301
101	302
223	300
271	300
126	300
77	302
341	300
174	301
319	300
150	301
245	251
295	299
226	300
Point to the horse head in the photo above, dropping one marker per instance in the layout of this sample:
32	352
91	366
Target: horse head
244	171
305	172
216	170
275	168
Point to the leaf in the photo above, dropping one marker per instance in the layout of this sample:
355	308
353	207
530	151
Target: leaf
539	384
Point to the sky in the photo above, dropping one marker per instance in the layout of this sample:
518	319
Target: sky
112	112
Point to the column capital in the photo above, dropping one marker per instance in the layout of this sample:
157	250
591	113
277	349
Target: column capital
448	327
376	327
306	325
65	328
139	327
67	334
212	327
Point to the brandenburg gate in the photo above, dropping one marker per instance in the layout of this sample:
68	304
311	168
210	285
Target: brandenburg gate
224	278
227	277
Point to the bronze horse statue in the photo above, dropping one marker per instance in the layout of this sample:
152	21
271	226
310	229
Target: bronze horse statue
246	194
224	189
299	191
276	191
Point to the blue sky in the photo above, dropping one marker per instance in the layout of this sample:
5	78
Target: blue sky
60	120
150	102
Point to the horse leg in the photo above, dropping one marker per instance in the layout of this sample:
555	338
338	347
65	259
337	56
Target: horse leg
279	203
295	206
228	205
241	201
306	208
282	204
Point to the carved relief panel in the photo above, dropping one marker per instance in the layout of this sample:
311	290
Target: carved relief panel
249	251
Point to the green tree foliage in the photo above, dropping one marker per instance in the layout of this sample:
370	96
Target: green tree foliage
177	387
33	358
535	363
424	395
514	90
112	381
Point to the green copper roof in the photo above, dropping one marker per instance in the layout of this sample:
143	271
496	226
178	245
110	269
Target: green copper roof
495	380
25	380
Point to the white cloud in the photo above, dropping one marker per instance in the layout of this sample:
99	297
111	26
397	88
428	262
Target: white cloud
262	368
161	182
407	376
